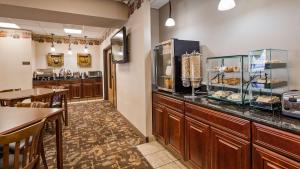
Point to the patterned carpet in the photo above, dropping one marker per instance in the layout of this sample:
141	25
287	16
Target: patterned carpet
97	137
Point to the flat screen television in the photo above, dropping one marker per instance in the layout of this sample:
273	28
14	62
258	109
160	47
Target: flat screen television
119	47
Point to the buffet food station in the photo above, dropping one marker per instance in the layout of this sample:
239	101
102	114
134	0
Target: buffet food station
80	85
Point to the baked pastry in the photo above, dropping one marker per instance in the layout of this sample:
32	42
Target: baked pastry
235	97
215	81
268	99
221	94
264	81
229	69
273	61
232	81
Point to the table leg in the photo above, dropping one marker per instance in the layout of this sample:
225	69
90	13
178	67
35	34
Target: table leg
66	110
59	149
10	103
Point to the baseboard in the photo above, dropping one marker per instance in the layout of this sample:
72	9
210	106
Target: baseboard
146	139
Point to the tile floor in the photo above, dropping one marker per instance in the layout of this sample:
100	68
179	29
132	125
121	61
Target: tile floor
159	157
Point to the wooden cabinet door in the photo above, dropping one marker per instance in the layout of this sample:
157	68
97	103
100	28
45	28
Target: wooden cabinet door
87	90
228	151
98	91
266	159
197	143
159	123
175	131
76	91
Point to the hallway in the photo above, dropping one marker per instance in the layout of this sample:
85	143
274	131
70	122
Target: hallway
97	137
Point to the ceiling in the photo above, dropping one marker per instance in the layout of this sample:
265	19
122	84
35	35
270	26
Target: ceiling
158	3
124	1
46	28
154	3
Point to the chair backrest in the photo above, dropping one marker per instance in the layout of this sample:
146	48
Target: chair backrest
33	105
45	98
27	146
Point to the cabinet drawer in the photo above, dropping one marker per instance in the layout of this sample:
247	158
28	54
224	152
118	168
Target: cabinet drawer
265	159
171	103
234	125
282	142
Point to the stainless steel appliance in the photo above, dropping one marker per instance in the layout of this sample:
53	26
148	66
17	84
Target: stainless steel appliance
167	64
44	74
94	74
291	103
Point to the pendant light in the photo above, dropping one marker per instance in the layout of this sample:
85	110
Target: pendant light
86	50
52	45
69	49
170	22
225	5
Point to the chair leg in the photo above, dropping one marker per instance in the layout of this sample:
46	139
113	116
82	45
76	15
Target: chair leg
44	156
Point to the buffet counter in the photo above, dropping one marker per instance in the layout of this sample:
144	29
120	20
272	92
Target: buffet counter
78	88
201	131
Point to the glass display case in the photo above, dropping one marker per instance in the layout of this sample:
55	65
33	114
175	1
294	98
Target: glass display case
167	64
227	78
164	67
269	78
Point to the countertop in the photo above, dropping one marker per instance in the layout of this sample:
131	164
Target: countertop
276	120
70	79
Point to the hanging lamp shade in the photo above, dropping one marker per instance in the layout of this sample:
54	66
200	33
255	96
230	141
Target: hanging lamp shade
52	49
170	22
225	5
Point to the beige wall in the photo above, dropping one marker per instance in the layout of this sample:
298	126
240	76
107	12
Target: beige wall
70	61
154	36
251	25
12	53
134	78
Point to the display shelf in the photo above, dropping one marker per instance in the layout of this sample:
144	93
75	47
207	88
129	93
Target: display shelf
269	66
231	75
269	85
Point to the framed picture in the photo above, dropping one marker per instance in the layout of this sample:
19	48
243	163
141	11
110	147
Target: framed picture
55	59
84	60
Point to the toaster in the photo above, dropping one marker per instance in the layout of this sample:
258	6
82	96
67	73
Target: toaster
291	103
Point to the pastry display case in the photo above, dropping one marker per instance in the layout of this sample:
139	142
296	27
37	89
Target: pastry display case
227	78
269	78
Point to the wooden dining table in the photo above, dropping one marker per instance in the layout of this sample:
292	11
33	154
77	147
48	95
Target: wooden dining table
11	98
14	118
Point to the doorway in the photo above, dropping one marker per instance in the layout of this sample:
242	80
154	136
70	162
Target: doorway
110	92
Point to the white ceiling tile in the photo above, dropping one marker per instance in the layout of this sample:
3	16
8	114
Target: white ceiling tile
55	28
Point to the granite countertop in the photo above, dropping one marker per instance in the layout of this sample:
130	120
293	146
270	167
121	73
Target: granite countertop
70	79
271	119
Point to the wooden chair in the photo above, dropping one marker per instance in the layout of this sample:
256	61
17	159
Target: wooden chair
38	105
58	100
26	143
45	98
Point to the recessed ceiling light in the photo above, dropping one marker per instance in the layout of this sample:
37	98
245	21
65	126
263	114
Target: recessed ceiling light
9	25
72	31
